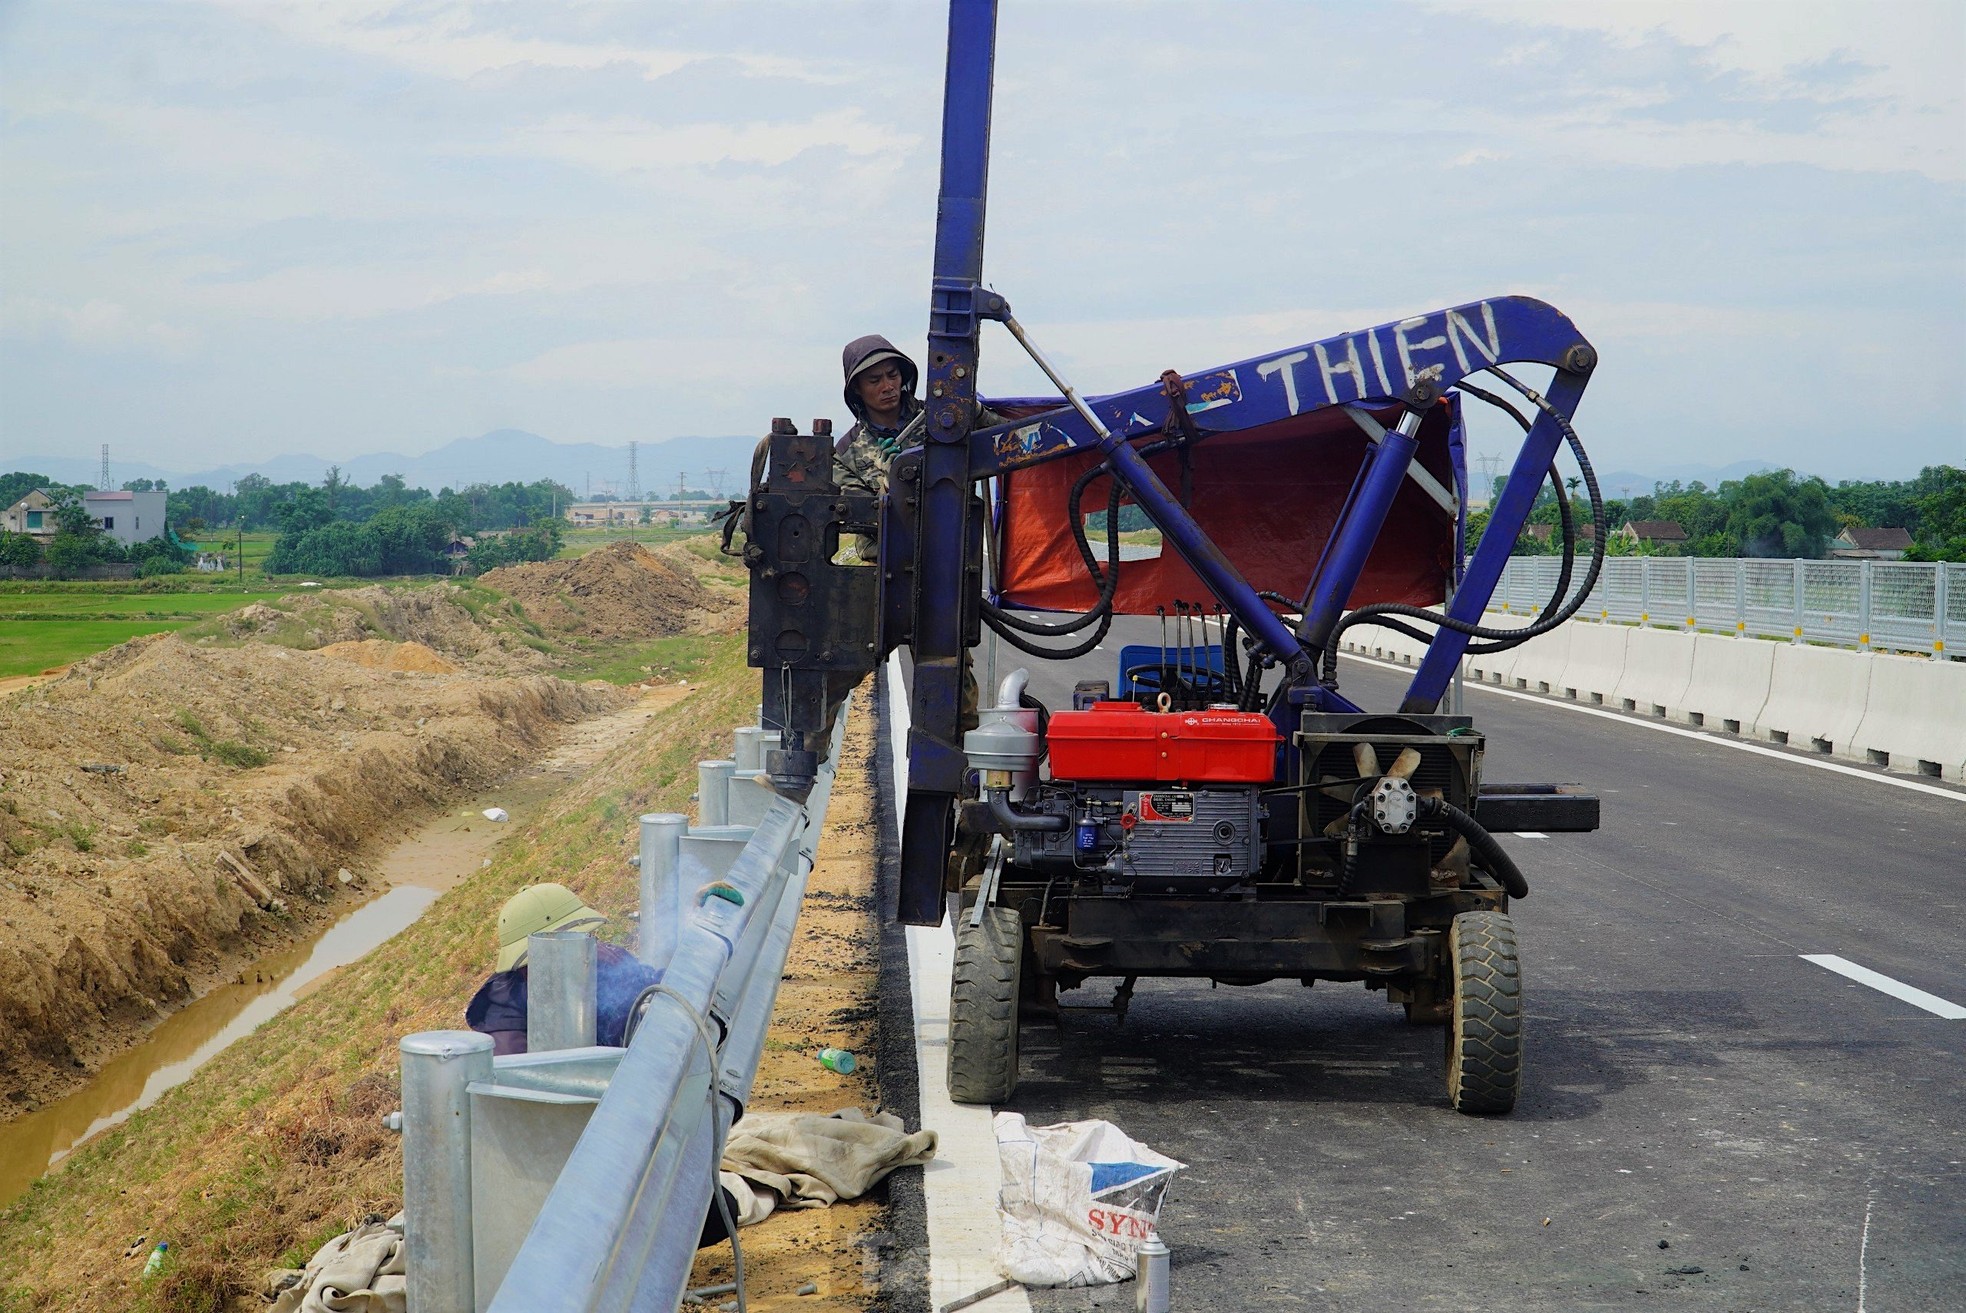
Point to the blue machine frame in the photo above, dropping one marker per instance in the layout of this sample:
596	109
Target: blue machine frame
1411	361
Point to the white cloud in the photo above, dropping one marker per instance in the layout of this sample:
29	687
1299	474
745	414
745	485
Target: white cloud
96	325
454	44
622	144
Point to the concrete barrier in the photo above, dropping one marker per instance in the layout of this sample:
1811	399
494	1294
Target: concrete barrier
1901	712
1539	662
1495	668
1915	717
1729	683
1595	664
1658	665
1815	697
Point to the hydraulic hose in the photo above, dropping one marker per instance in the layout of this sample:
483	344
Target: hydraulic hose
1569	554
1509	637
1494	858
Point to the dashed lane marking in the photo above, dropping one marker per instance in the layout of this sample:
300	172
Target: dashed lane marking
1884	984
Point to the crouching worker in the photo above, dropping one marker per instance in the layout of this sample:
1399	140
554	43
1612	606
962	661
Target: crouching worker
498	1008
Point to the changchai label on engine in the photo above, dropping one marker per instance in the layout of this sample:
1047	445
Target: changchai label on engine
1167	806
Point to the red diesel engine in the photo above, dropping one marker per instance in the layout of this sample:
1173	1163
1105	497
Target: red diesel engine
1139	801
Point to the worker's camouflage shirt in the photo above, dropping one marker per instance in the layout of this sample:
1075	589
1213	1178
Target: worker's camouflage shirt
860	465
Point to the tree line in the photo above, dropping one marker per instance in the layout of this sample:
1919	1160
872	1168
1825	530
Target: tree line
1775	513
333	528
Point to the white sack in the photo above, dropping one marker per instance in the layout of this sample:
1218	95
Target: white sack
1076	1201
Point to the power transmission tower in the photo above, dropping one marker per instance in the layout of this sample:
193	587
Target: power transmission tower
102	479
1488	463
679	489
718	480
634	477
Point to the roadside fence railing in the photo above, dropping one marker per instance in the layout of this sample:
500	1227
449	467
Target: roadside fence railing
575	1178
1896	606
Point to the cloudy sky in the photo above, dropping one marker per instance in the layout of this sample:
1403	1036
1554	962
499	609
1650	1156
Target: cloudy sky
232	230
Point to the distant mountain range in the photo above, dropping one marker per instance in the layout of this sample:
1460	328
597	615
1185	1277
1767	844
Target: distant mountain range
502	456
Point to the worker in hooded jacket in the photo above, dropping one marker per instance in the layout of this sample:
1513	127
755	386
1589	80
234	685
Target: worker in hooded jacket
880	391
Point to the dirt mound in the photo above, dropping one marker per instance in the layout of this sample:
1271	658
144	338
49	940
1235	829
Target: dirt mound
169	810
459	623
622	590
380	654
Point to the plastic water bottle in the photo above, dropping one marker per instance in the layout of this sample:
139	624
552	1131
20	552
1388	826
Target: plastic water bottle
839	1060
156	1261
1150	1272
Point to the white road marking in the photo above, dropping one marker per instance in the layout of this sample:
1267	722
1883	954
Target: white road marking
1884	984
959	1187
1892	780
1863	1254
1530	834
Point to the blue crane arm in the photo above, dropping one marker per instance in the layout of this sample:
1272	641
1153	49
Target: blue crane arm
1411	360
1371	366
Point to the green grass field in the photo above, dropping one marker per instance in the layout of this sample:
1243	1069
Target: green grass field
579	542
23	605
46	625
30	648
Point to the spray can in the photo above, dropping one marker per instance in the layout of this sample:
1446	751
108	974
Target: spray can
156	1261
839	1060
1150	1275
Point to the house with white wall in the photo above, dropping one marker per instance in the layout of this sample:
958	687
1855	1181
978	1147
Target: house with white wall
127	517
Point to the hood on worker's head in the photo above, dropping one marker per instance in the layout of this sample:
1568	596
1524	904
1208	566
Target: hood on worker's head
866	352
534	910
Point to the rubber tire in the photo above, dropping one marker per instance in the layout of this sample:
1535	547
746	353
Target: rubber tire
983	994
1484	1034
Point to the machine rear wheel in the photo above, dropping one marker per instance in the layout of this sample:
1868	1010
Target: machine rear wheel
1484	1039
983	993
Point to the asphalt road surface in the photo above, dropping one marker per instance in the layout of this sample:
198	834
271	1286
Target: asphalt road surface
1708	1120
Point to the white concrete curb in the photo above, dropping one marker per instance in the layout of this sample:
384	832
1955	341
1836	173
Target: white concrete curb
959	1187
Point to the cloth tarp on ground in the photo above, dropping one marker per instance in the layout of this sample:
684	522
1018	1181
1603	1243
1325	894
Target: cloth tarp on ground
803	1160
1267	497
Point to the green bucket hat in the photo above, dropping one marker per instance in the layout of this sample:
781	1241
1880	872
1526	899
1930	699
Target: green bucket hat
535	910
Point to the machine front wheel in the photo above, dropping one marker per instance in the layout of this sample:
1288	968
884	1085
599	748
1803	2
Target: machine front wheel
1484	1039
983	994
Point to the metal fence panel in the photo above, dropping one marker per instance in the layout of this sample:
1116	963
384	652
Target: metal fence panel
1900	606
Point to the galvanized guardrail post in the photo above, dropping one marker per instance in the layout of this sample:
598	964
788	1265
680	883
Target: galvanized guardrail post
560	991
663	905
438	1068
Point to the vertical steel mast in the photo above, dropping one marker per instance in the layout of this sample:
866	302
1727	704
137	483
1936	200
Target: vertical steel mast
949	518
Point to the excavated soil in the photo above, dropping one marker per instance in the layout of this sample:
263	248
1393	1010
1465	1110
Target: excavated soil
622	590
455	622
170	811
381	654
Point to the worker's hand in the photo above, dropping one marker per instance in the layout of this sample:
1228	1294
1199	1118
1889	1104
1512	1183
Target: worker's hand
890	446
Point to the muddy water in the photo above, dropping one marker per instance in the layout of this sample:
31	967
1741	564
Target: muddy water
417	869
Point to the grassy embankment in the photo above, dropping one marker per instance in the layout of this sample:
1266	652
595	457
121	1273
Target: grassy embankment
276	1145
